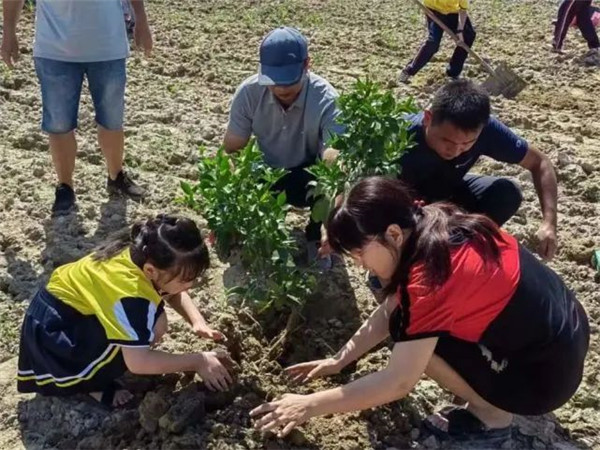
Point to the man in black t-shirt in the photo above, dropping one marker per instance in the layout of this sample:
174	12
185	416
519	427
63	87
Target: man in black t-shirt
450	137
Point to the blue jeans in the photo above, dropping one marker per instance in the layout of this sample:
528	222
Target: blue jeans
432	45
61	83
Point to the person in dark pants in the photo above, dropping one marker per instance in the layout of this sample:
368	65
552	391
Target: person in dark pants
452	13
292	113
451	135
581	11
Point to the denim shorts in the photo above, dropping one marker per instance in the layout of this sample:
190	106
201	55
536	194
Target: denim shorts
61	83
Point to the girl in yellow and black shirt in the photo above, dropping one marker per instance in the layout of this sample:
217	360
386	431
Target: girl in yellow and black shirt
99	316
452	13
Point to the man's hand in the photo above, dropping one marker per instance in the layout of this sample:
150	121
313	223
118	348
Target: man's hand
548	242
143	37
10	49
330	155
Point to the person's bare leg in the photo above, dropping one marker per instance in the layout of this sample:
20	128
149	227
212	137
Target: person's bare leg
121	397
449	379
112	144
63	148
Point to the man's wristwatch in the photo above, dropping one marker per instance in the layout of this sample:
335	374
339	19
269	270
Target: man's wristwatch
459	31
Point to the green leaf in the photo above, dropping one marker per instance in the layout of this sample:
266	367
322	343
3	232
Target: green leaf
186	188
320	210
281	198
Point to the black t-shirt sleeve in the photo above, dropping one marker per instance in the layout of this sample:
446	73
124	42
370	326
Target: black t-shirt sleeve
500	143
136	317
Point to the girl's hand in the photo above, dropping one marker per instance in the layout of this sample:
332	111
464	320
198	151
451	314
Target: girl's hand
204	331
307	371
212	370
286	413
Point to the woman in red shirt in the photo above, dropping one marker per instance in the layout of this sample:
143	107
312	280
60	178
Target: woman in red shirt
467	306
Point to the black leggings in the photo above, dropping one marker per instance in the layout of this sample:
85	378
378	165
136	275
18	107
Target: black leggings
296	188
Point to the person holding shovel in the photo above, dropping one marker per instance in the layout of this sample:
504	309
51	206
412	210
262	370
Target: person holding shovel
582	12
467	305
292	113
452	13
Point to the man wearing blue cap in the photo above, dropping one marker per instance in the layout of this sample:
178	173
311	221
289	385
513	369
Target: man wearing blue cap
292	113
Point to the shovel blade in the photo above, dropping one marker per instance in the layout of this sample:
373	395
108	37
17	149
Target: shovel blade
505	82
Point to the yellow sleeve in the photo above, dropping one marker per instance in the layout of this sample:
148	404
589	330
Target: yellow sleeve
463	4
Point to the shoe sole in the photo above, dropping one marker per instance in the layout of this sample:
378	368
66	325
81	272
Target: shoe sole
114	193
65	212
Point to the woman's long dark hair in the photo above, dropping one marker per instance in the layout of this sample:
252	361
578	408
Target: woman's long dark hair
375	203
170	243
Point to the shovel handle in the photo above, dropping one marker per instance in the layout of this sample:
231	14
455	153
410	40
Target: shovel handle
453	35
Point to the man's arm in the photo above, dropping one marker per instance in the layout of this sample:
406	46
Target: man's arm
462	17
10	44
142	34
239	127
330	127
234	143
544	180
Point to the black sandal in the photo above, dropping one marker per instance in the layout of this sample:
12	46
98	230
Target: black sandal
464	427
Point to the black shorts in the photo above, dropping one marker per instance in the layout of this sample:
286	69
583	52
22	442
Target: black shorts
530	359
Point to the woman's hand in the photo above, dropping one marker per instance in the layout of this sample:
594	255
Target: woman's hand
307	371
286	413
212	369
204	331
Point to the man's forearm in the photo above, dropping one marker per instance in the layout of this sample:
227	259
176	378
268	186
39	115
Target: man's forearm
139	9
462	19
11	13
544	180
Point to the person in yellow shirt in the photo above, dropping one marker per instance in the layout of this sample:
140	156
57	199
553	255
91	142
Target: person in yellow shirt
454	14
100	316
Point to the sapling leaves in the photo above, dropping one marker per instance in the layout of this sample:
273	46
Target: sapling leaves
375	138
235	196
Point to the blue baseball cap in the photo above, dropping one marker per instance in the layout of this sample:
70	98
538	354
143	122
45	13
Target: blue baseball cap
282	55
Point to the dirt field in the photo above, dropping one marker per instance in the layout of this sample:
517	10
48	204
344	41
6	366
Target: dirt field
177	101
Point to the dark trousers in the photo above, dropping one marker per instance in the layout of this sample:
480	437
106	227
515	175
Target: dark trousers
497	198
295	185
581	10
432	45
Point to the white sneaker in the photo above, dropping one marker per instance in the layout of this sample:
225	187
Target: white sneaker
404	77
592	57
